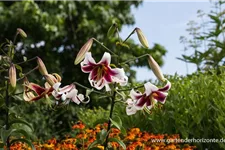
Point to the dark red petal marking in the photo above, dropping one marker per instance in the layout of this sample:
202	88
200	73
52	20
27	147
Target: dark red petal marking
149	101
112	72
141	101
165	88
37	89
159	96
108	77
88	68
94	73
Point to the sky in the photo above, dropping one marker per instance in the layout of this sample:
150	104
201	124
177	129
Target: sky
164	22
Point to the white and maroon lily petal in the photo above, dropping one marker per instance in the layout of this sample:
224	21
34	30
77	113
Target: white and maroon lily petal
166	87
120	76
149	88
106	59
88	63
135	95
160	96
131	109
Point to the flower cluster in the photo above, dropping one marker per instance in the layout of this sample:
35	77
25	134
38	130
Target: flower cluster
34	92
135	139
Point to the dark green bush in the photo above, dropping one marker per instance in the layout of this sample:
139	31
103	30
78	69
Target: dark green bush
195	108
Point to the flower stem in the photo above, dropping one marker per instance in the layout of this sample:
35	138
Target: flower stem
110	116
27	60
104	46
128	89
129	35
28	73
80	85
135	58
7	113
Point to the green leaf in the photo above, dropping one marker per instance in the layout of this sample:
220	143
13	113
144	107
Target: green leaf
118	123
5	134
21	122
25	141
21	131
93	144
101	136
118	141
18	67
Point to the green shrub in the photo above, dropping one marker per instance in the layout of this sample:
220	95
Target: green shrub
195	108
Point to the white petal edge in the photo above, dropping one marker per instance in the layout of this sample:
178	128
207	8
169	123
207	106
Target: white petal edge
105	58
88	58
149	88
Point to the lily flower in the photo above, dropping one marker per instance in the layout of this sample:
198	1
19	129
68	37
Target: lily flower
148	99
52	79
67	93
101	74
34	92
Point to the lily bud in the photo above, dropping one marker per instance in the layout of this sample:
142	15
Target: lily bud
12	75
21	32
155	68
52	79
112	30
41	66
84	49
142	38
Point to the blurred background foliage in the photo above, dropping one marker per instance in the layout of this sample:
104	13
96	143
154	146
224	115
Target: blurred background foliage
56	31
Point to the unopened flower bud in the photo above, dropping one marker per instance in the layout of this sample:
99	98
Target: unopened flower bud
155	68
41	66
81	54
112	30
142	38
12	75
21	32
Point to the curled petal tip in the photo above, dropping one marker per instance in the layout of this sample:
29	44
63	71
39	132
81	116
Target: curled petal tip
142	38
85	48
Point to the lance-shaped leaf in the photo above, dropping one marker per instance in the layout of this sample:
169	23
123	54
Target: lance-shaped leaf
155	68
12	75
21	33
85	48
41	66
142	38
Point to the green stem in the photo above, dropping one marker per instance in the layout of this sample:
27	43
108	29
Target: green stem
7	113
129	35
135	58
14	40
104	46
80	85
26	61
110	116
28	73
137	87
